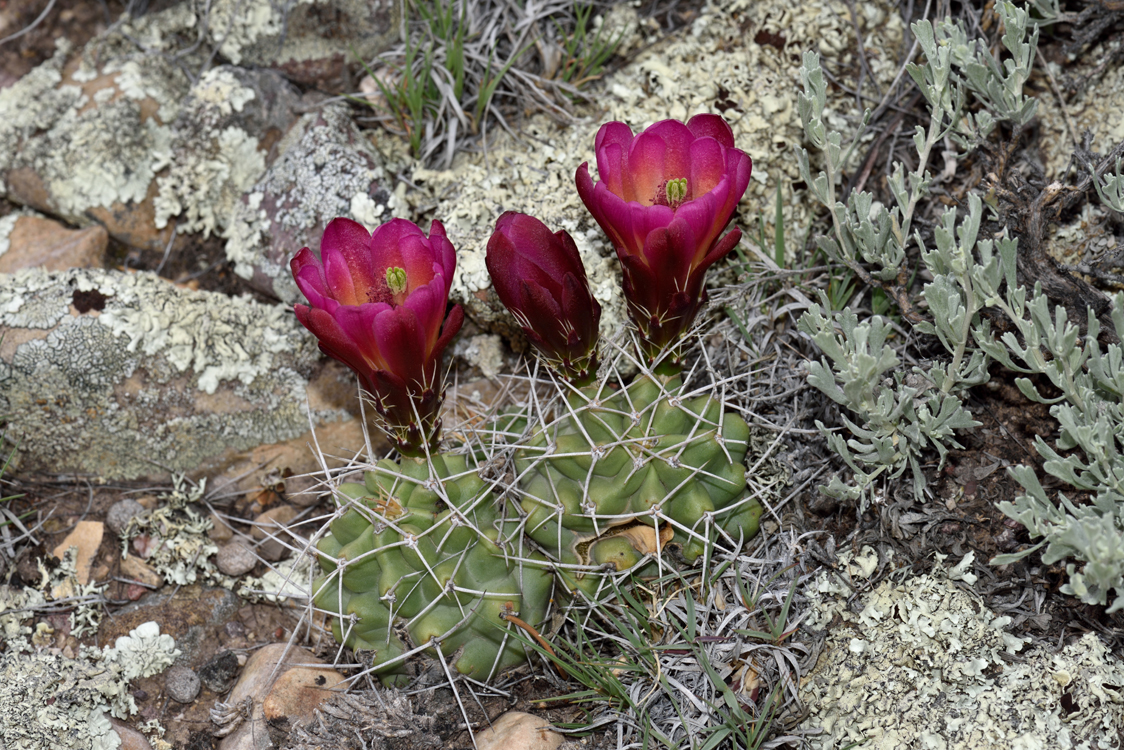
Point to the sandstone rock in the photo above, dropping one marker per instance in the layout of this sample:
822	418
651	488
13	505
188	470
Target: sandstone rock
277	690
234	559
248	471
120	513
181	684
269	530
39	242
325	168
127	376
220	530
85	143
310	41
516	730
131	739
221	143
86	536
304	489
139	570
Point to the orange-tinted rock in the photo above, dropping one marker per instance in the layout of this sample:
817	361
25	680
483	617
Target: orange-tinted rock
37	242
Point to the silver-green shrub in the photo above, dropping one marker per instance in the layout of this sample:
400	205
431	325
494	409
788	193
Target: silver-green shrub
900	414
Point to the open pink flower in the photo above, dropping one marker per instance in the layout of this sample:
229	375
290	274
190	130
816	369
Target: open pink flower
377	304
665	198
540	278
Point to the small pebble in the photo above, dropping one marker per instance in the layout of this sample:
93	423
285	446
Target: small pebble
273	521
121	512
234	559
181	684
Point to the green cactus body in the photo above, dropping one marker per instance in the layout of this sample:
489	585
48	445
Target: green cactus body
422	551
626	473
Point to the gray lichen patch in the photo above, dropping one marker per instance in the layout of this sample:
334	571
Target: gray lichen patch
213	161
126	375
85	143
923	663
1094	108
325	168
307	38
48	699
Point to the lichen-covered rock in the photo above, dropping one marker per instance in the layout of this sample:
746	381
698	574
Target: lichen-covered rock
126	375
924	664
220	145
325	168
310	41
50	700
84	143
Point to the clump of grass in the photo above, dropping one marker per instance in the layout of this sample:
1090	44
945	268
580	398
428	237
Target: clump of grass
462	62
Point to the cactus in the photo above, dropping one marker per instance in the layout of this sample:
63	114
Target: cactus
629	472
421	546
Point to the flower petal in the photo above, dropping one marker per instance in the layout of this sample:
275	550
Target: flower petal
712	126
345	254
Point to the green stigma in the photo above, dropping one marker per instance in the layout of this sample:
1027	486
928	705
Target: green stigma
676	191
396	279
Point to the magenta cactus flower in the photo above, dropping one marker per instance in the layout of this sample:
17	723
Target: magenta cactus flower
377	304
665	198
540	278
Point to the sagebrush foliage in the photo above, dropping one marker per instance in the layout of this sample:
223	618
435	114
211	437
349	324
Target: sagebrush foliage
900	414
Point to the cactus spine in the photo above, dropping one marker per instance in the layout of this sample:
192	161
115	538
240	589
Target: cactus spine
421	545
630	472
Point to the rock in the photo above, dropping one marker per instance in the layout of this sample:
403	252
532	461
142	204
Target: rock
219	672
325	168
220	530
121	512
269	530
114	136
85	143
138	570
128	376
280	694
248	471
310	42
181	684
516	730
131	739
234	559
86	536
39	242
304	489
220	145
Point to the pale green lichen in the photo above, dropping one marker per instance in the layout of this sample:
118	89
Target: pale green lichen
172	538
32	101
923	663
212	161
162	378
48	700
90	157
